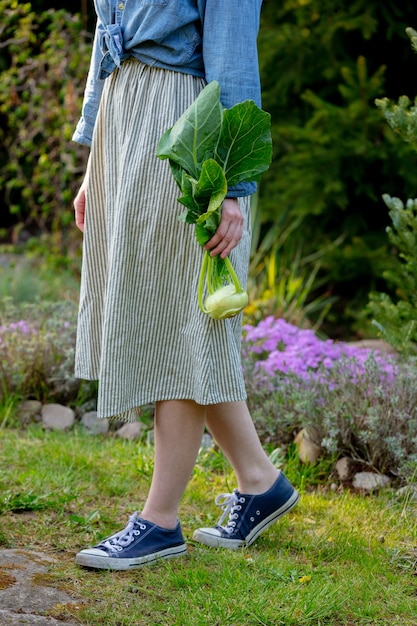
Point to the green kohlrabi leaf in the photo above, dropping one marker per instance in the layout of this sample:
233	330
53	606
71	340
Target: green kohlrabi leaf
205	196
212	184
194	136
201	234
245	144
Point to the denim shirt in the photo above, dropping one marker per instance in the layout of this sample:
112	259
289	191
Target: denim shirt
213	39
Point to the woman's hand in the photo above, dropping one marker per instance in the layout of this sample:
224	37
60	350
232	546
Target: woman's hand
230	230
79	206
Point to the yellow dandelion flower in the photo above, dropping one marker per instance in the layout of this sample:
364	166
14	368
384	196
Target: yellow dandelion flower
304	579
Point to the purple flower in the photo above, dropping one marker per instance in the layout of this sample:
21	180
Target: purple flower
278	347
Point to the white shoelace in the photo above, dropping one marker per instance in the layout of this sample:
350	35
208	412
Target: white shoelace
231	504
124	537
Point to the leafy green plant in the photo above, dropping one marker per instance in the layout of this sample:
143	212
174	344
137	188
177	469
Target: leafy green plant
41	85
323	63
396	316
352	402
37	351
211	148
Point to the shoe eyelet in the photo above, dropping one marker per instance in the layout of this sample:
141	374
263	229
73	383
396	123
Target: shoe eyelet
142	526
136	532
258	512
252	519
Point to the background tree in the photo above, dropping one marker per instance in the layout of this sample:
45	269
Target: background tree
45	59
323	63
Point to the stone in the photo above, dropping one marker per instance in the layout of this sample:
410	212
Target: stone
368	481
57	417
376	345
308	451
345	468
94	425
130	430
24	597
29	411
207	442
89	405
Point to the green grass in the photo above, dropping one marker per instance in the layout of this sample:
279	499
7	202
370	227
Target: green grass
339	559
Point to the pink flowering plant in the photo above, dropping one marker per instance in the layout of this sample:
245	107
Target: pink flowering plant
37	350
352	400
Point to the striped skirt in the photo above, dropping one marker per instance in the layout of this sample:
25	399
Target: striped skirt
140	331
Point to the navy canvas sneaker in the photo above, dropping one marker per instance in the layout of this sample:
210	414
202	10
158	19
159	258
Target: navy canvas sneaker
140	543
248	515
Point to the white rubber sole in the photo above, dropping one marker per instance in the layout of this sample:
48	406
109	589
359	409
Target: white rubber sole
210	536
91	558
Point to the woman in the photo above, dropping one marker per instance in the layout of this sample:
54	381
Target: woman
140	331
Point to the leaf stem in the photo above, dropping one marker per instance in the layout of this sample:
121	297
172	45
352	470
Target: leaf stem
201	281
234	276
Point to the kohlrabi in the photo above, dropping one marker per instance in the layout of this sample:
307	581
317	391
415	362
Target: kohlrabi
210	149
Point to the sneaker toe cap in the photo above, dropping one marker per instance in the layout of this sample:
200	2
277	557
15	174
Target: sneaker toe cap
213	532
93	552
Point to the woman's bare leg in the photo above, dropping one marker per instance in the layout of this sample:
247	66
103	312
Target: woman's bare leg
178	428
232	428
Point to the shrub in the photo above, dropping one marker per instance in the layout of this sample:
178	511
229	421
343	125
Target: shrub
37	351
353	401
41	86
323	63
396	316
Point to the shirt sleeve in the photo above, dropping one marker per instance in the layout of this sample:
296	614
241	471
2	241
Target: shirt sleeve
92	95
230	31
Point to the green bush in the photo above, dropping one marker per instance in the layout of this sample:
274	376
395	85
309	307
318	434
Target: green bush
37	351
323	63
361	404
396	316
395	313
44	65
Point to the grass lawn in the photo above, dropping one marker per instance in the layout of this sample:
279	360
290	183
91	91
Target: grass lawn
337	559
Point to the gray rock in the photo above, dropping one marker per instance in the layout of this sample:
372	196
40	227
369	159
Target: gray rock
345	468
207	442
93	424
130	430
90	405
57	417
308	451
29	411
23	597
368	481
376	345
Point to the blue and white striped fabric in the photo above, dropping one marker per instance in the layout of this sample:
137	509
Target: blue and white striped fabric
140	331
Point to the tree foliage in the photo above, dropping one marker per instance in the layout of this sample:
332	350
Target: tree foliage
323	64
45	60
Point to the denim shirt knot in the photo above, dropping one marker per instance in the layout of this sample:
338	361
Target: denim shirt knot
111	46
180	35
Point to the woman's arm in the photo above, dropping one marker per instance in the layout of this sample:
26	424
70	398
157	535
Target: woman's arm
92	95
230	31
